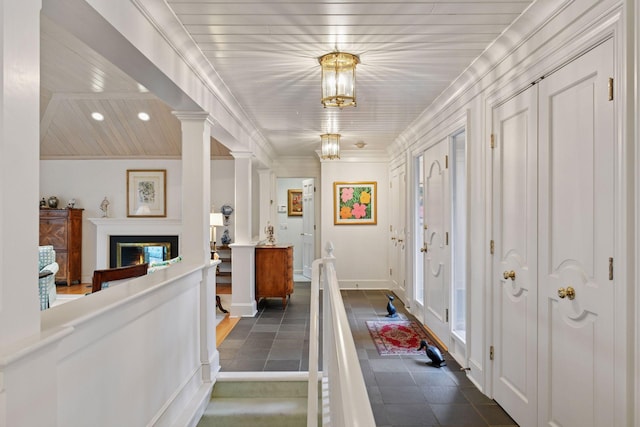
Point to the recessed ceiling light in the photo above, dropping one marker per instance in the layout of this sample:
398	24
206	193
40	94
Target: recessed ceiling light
143	116
97	116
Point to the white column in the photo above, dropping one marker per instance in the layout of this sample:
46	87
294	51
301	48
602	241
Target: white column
196	185
194	245
633	33
267	203
27	380
242	208
243	301
19	169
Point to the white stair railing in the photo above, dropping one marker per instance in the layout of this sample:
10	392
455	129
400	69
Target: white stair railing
348	401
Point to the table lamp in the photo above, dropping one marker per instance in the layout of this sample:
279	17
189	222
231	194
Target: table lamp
215	220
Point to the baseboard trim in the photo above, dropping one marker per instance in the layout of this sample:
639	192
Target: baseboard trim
194	410
436	339
244	310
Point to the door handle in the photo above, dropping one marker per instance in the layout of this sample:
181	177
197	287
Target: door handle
509	275
393	238
424	249
567	293
400	240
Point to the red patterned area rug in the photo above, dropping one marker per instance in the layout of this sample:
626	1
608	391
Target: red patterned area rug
396	337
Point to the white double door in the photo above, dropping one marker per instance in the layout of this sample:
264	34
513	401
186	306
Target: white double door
553	227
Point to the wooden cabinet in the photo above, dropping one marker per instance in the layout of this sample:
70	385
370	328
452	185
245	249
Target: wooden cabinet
274	272
62	228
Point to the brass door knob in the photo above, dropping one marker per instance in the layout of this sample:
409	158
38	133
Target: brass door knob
509	275
567	293
393	238
424	249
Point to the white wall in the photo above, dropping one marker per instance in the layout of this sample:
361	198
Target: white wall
361	250
288	228
89	181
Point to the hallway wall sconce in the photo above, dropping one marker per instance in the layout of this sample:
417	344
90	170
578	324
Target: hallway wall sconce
330	146
338	79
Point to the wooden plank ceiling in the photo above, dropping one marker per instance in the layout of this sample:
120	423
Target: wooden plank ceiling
266	53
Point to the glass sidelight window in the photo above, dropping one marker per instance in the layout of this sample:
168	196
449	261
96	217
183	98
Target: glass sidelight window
418	238
459	235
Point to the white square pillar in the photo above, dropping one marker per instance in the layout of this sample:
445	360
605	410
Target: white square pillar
243	302
19	169
196	185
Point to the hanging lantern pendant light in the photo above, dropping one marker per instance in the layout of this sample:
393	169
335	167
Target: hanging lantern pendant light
330	146
338	79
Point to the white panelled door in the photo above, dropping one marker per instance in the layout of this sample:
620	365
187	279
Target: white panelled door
393	231
436	257
397	233
514	285
401	225
553	227
308	225
576	229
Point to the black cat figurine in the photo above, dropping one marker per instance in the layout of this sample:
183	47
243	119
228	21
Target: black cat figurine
390	307
433	353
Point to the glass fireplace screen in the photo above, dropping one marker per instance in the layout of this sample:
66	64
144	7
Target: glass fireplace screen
131	250
139	253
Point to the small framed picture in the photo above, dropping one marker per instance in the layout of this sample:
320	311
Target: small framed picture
146	193
355	203
294	207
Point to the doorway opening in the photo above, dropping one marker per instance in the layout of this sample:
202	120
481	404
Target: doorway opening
441	240
295	222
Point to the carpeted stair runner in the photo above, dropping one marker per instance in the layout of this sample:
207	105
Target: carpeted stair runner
257	403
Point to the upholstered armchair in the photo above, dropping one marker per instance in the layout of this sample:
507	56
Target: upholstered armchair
47	282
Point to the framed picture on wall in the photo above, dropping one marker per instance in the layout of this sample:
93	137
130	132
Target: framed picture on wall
294	205
146	193
355	203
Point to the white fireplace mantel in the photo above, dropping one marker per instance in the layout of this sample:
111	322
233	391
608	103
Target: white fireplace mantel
106	227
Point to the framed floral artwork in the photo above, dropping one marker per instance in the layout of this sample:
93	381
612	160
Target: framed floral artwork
294	205
355	203
146	193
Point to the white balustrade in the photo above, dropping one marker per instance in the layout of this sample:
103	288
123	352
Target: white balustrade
348	401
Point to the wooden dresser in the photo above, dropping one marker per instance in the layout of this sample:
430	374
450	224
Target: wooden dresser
62	228
274	272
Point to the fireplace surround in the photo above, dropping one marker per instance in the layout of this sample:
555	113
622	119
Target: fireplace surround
106	227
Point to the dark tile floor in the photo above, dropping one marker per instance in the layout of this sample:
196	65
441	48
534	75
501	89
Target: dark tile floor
403	390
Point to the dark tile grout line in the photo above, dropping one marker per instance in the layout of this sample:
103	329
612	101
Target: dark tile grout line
403	390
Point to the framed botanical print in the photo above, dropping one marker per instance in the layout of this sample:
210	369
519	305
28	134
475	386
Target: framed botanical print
294	204
146	193
355	203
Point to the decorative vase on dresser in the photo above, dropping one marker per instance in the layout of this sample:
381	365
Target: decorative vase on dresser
62	228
